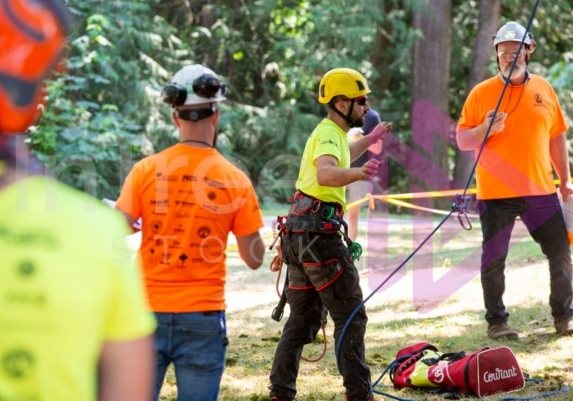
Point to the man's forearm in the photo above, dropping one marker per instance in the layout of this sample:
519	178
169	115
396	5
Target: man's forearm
470	138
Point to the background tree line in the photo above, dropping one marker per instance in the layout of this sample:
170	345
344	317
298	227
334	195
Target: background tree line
421	58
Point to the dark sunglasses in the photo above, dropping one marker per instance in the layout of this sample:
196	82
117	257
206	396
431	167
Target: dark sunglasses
361	101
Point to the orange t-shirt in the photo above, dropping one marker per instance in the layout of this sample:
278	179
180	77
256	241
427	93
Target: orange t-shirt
189	199
515	162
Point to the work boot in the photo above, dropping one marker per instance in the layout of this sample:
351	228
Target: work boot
564	326
501	330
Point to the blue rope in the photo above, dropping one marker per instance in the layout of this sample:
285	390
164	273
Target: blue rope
390	367
357	309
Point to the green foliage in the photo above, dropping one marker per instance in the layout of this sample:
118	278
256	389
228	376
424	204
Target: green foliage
101	114
561	76
104	112
273	70
267	143
464	31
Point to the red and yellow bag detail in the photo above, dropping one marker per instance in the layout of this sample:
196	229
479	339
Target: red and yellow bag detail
483	373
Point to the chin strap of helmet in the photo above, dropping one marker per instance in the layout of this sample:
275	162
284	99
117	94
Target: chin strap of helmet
347	116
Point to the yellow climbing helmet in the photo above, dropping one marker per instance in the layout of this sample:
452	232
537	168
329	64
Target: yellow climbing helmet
342	82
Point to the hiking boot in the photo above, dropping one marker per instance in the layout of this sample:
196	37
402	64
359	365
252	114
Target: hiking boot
564	327
501	330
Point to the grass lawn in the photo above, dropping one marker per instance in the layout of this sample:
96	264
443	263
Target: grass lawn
434	295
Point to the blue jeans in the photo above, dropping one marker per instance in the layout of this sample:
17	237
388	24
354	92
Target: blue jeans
195	343
543	218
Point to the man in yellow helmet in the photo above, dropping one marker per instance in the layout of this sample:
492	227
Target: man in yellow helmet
320	257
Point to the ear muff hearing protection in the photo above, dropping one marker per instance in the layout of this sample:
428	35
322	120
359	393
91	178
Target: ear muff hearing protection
206	86
174	94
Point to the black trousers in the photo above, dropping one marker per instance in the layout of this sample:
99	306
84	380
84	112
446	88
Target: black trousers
321	273
543	218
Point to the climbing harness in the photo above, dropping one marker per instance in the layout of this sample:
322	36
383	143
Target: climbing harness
308	215
311	215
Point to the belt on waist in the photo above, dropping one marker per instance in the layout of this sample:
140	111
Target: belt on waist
309	214
303	204
211	312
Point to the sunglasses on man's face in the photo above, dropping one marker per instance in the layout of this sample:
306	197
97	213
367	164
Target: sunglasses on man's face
361	101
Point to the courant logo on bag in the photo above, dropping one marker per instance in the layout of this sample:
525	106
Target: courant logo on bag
500	374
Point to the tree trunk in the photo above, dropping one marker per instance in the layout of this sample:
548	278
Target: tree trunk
489	21
431	125
380	49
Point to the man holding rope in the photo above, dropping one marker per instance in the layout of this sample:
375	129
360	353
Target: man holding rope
321	270
525	141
